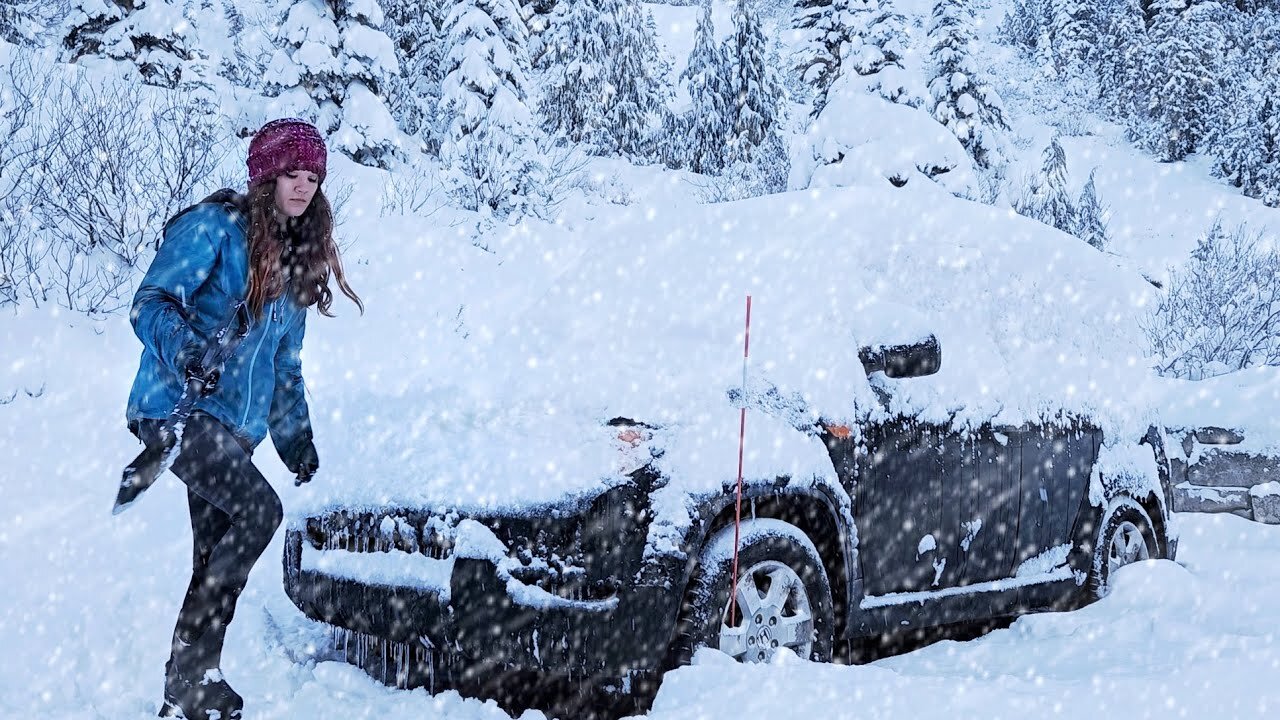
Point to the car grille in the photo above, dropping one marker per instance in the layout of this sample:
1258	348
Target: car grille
405	665
367	532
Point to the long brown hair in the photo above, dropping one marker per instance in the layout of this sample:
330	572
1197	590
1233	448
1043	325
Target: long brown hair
299	257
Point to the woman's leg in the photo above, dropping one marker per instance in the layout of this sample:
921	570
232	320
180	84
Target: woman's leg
208	525
234	514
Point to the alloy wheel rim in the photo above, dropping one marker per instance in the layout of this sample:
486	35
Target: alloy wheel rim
1128	545
773	611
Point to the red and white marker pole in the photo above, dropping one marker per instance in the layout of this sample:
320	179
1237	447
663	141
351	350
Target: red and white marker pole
742	434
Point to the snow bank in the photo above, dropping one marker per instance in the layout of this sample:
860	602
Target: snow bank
1189	638
888	142
1244	401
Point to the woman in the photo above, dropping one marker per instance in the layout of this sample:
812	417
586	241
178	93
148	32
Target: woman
263	258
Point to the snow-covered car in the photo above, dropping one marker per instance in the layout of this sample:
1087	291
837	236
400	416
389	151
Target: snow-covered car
932	527
587	528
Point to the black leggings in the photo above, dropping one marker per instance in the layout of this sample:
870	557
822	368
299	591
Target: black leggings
234	514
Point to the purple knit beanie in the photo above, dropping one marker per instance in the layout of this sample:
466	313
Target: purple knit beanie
283	146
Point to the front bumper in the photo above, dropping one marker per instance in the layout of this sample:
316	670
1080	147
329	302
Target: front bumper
480	627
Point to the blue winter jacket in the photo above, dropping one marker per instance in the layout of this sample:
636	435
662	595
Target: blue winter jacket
199	276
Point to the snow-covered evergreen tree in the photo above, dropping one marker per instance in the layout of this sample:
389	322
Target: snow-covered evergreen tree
1177	76
1122	38
706	127
756	109
414	27
488	146
963	100
879	48
537	20
18	23
1049	200
827	28
332	69
865	36
1025	22
156	35
574	53
605	78
1091	224
636	73
1267	176
1074	35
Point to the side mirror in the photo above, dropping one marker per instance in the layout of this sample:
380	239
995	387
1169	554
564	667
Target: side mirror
903	361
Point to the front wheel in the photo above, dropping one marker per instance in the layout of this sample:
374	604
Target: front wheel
782	597
1126	537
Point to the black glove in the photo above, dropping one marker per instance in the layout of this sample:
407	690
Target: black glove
304	463
191	360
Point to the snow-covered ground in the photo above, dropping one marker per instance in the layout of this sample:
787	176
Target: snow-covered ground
89	600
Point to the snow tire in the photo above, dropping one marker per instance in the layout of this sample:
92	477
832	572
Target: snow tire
1126	536
779	553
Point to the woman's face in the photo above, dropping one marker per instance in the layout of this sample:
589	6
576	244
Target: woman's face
294	191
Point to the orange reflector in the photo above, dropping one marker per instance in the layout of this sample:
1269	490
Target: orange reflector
631	436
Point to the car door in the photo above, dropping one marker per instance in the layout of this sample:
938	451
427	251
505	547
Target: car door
1057	460
980	513
899	508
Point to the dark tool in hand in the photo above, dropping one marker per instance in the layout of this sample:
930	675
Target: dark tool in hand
155	459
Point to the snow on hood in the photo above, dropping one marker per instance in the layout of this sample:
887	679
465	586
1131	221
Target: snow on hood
639	313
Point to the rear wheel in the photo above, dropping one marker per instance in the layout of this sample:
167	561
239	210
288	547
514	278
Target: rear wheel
1126	537
782	597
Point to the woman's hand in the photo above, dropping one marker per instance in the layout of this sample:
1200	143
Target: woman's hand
191	359
305	464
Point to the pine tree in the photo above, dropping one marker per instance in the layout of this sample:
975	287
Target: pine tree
335	64
574	54
414	27
605	78
1048	201
1074	35
153	34
827	28
879	49
1122	37
17	24
706	78
636	73
754	88
1267	176
1090	224
489	132
963	101
867	36
1024	23
1178	79
537	21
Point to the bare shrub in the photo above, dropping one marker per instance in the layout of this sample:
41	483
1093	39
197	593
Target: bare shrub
1221	311
91	171
418	189
27	142
564	166
610	188
339	191
131	158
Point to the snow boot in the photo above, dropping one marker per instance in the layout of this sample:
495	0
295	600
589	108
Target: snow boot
207	698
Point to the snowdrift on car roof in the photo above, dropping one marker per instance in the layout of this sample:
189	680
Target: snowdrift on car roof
645	321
